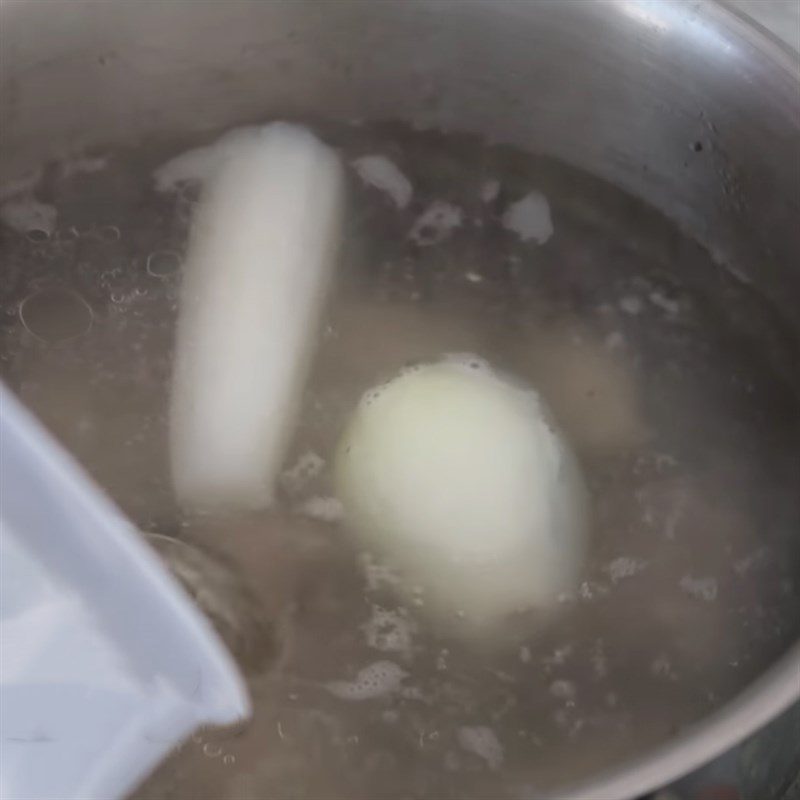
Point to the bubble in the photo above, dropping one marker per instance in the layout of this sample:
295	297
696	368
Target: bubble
35	220
410	369
70	234
228	760
211	750
163	263
374	394
56	314
468	361
108	233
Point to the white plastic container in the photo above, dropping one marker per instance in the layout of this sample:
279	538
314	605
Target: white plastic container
105	664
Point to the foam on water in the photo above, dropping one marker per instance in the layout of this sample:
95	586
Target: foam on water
700	588
376	680
624	567
482	741
436	223
390	631
530	218
384	175
324	509
307	467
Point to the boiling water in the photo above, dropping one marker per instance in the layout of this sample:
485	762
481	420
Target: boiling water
675	385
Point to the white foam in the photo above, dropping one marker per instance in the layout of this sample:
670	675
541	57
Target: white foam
436	223
384	175
700	588
325	509
376	680
662	667
559	656
26	214
530	218
307	467
624	567
390	631
589	590
377	574
482	741
751	561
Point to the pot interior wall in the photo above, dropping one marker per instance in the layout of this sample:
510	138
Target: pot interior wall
627	90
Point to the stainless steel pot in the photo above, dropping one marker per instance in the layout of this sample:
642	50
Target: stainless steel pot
627	90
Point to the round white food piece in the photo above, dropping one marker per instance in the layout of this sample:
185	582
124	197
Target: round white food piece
458	475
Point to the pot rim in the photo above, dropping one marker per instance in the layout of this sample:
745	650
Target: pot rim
765	699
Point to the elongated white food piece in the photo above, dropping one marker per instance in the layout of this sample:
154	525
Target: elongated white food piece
458	475
261	251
